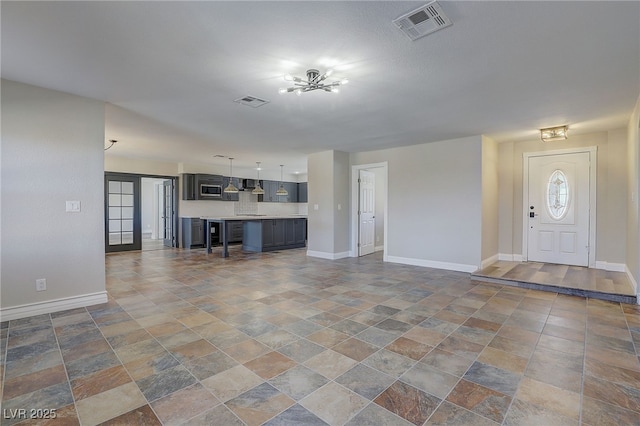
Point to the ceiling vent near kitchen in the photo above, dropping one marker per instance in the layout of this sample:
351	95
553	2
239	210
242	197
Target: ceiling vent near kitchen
251	101
422	21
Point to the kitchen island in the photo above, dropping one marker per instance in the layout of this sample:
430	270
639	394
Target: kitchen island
261	232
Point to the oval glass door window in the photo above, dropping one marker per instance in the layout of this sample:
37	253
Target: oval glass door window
558	195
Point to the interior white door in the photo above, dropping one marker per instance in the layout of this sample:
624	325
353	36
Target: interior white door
558	213
366	211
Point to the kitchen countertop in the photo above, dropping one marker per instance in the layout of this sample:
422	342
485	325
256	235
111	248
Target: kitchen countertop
255	217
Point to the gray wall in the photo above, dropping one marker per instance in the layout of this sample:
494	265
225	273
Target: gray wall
490	200
434	202
380	191
52	152
633	182
320	216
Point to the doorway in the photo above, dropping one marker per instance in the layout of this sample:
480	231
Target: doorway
366	212
559	207
369	209
140	212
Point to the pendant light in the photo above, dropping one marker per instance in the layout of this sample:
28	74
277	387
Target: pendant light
258	190
231	188
281	191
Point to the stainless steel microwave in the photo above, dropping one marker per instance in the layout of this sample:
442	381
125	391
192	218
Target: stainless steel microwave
210	190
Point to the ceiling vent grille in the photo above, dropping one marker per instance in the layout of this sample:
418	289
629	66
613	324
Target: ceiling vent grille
251	101
422	21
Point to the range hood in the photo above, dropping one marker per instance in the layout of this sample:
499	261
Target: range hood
250	183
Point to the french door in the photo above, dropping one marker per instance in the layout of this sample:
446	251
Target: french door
122	212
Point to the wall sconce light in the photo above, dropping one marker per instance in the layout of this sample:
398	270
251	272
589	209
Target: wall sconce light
552	134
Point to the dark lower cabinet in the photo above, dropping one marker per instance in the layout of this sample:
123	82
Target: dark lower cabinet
235	232
193	235
274	234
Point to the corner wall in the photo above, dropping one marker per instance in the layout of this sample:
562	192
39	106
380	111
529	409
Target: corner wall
434	203
490	203
52	152
633	181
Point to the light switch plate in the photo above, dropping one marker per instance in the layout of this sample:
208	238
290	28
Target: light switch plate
73	206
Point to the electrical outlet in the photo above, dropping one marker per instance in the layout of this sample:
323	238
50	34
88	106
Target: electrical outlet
41	284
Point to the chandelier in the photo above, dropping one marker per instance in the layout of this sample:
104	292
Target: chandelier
314	81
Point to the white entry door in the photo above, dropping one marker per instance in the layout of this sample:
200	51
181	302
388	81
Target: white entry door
366	210
558	212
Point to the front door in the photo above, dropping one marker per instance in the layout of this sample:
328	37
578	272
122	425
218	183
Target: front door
168	213
558	211
122	213
366	210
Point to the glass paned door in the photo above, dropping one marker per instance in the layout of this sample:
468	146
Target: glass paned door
122	216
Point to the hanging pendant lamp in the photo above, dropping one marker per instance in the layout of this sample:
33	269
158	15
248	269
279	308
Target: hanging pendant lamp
281	191
231	188
258	190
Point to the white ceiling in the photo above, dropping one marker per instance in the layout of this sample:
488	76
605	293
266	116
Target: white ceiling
170	72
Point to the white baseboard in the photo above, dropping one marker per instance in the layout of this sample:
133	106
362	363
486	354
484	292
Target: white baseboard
614	267
432	264
379	248
31	309
510	257
329	256
490	261
634	283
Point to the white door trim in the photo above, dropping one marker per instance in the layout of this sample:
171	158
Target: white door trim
593	150
355	171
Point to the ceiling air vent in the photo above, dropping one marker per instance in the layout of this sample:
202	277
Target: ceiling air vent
422	21
251	101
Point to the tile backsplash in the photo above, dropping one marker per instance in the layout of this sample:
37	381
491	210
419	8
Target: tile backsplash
247	204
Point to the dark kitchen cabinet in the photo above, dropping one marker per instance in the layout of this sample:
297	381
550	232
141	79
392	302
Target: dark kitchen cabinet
231	196
270	192
300	231
192	232
188	186
274	234
303	195
235	232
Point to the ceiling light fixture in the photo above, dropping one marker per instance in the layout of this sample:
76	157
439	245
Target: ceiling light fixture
551	134
281	191
314	81
231	188
258	190
113	142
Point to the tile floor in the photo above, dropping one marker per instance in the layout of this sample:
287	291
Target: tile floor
282	339
576	280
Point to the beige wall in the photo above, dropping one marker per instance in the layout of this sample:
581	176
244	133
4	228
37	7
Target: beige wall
611	191
321	200
434	202
490	201
52	152
341	189
380	194
632	255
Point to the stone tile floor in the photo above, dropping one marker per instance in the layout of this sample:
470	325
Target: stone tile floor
571	277
282	339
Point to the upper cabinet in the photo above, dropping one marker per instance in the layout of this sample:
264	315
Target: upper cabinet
231	196
271	187
302	192
211	187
